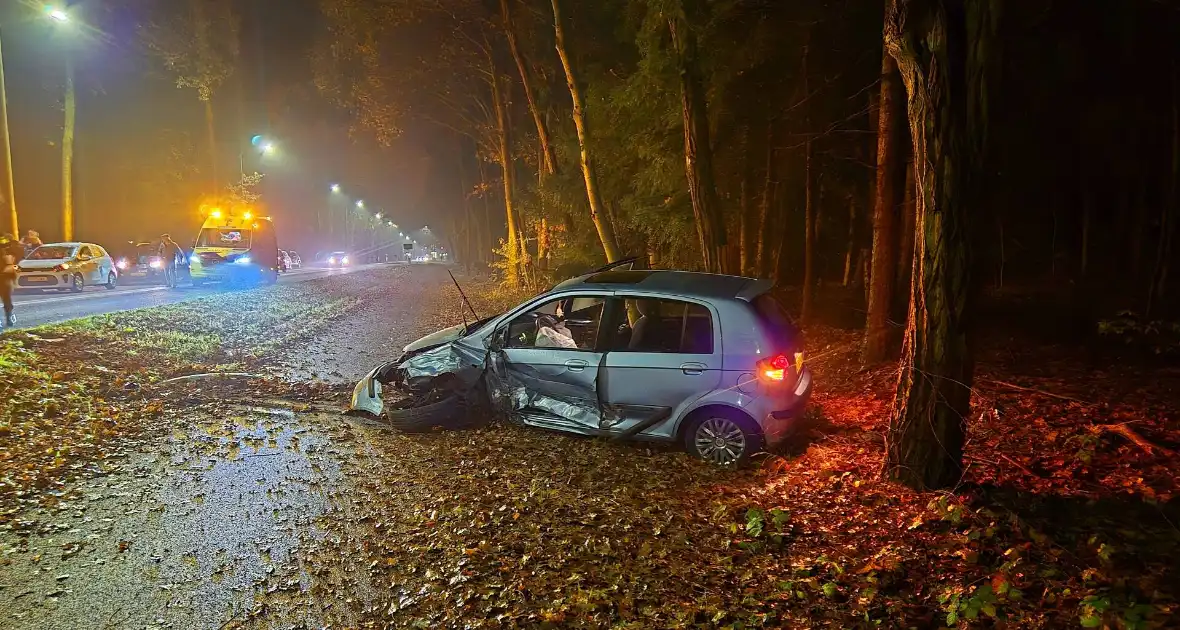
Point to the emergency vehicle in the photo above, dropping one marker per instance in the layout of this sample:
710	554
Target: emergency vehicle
235	246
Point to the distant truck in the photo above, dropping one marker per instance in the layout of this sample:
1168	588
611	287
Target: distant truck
235	247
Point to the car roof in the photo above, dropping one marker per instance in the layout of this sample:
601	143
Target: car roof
684	283
64	244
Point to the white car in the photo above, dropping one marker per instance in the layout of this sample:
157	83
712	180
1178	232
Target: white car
67	266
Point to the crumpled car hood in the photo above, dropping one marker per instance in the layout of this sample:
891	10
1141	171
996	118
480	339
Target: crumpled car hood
436	338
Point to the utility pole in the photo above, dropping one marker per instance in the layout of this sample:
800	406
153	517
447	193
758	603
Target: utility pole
7	192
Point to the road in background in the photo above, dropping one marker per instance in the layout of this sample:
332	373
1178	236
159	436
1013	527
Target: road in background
35	309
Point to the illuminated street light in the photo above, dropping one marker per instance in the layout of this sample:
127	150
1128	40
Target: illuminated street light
335	188
360	203
57	14
268	148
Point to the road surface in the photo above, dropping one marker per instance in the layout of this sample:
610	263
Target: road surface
38	308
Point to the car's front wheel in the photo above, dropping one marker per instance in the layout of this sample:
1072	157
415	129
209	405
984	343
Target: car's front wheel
722	440
76	283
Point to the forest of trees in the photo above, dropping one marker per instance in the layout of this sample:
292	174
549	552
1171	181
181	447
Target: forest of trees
915	152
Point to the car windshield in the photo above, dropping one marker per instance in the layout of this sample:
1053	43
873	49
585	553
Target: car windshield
52	252
224	237
144	252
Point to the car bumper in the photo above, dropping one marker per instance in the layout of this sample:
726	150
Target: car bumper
778	425
42	280
228	272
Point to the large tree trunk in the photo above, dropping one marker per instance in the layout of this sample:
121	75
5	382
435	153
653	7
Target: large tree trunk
504	154
905	248
698	152
67	156
810	234
548	157
944	52
7	192
890	171
606	230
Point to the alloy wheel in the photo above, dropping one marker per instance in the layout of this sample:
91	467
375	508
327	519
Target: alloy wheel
721	441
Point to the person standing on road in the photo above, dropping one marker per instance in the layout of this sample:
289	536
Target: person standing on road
169	252
8	260
31	241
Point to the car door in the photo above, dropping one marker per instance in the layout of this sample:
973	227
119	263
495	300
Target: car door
87	265
104	263
664	354
551	377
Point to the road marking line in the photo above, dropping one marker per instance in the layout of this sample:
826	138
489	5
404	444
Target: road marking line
89	296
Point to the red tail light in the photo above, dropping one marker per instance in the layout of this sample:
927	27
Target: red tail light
775	368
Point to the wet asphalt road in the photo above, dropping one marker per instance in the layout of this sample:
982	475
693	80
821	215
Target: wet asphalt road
202	522
38	308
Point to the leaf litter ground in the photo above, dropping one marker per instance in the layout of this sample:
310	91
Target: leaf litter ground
254	504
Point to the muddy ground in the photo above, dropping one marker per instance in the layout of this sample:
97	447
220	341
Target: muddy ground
254	503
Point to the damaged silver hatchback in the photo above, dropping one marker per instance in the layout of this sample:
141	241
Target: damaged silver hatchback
710	361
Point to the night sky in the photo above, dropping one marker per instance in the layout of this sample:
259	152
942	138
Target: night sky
127	101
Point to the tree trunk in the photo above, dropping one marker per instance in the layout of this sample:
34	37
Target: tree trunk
1087	218
548	157
7	193
848	251
777	235
698	152
487	241
504	154
1163	256
211	138
746	235
905	248
944	52
606	230
809	229
67	155
764	211
890	171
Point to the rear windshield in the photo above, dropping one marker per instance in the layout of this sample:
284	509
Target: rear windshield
224	237
51	252
778	323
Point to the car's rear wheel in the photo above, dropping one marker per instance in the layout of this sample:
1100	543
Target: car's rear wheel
112	281
76	283
722	439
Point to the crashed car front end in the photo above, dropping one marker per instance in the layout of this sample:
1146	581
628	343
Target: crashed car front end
461	361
